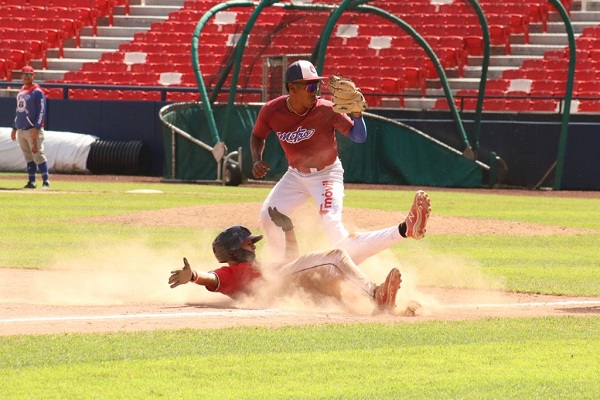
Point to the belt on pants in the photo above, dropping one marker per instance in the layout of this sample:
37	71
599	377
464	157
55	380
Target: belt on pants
308	170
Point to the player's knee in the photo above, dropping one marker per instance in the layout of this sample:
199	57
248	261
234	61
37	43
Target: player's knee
337	254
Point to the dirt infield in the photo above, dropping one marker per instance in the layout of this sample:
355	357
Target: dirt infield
130	297
24	311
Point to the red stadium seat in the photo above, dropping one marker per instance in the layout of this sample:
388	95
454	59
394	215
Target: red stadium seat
534	74
544	105
40	3
584	75
53	93
494	104
183	96
110	94
497	84
586	88
115	56
19	58
390	85
543	86
4	70
442	104
539	13
454	42
518	105
500	36
14	2
473	45
513	74
592	106
83	94
31	48
414	78
520	24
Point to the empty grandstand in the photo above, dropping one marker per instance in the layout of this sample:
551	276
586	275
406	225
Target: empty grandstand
101	41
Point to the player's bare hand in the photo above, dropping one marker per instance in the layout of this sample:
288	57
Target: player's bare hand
281	220
181	276
13	135
260	169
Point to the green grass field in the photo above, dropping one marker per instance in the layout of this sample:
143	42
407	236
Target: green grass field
523	358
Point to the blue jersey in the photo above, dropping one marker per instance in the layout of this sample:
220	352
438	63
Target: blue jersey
31	108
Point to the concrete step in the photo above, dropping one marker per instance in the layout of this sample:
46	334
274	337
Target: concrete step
511	61
590	5
464	83
67	64
419	103
579	16
9	91
559	27
160	10
98	42
41	75
159	2
142	21
552	39
88	54
49	74
475	72
533	50
109	31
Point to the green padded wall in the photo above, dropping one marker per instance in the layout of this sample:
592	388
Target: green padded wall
394	153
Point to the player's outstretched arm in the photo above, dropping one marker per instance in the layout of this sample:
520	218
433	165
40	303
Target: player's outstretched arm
186	274
285	223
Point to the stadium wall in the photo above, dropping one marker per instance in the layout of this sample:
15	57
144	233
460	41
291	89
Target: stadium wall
528	144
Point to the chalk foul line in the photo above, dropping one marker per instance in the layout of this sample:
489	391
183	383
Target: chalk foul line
266	312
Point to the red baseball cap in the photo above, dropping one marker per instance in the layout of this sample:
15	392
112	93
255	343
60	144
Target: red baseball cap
28	70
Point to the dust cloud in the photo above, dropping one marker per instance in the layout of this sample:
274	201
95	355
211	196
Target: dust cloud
128	273
137	273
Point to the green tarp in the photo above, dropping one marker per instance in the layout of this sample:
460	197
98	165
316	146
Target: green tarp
393	153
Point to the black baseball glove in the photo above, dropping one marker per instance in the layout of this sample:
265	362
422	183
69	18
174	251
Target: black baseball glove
281	220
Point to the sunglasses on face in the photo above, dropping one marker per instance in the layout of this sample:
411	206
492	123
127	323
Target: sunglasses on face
28	75
310	87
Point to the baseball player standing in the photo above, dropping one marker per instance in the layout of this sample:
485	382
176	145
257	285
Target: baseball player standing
321	272
305	125
28	127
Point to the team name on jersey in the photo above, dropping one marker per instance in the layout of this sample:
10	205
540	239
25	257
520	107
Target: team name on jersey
296	136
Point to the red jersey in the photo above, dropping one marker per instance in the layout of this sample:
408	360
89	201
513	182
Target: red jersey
308	141
236	280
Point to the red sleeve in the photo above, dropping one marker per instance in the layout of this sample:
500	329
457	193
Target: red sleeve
343	123
236	280
262	126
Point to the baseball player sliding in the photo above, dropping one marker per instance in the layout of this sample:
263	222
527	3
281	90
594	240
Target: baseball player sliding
305	125
317	272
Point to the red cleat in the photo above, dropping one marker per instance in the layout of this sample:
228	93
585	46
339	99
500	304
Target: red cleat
416	220
385	294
